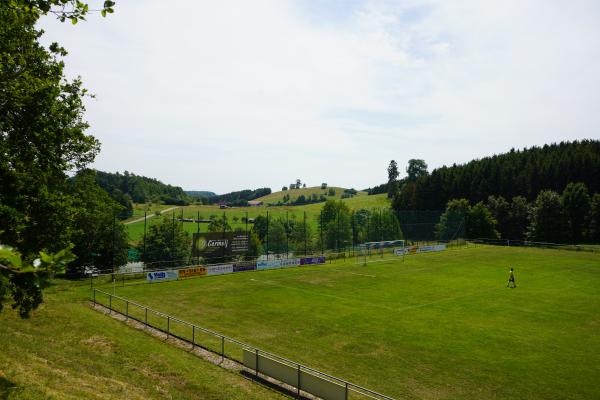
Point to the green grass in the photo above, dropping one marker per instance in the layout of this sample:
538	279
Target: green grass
150	209
69	351
307	192
440	325
136	230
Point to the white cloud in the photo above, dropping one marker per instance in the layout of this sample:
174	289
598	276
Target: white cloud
230	95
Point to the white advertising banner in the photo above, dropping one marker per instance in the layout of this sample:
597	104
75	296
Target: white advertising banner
161	276
219	269
419	249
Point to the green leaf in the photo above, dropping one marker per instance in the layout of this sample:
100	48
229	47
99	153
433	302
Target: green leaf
103	12
10	257
73	20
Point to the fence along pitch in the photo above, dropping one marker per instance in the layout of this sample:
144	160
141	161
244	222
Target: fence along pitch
349	386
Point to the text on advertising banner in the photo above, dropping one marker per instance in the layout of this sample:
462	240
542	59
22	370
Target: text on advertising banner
312	260
190	272
239	267
220	269
160	276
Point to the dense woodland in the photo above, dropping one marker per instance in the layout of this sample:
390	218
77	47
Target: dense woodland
516	173
239	198
127	188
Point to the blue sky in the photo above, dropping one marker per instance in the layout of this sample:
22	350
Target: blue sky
230	95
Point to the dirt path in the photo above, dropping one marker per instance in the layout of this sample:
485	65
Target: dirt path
150	216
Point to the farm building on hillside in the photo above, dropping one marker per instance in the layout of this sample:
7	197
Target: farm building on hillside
255	203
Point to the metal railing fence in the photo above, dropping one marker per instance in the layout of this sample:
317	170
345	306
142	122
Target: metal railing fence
216	342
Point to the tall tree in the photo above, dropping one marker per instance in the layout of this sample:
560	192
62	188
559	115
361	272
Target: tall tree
480	223
392	185
99	239
518	218
593	231
166	242
452	221
548	222
42	136
416	168
500	210
576	204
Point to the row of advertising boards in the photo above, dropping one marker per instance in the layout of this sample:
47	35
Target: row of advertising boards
219	269
419	249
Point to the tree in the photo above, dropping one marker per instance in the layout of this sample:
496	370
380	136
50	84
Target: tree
500	209
99	239
284	188
480	223
73	10
548	222
219	224
24	281
416	168
336	224
260	227
452	221
576	204
518	218
277	236
42	136
382	225
166	241
392	185
255	247
593	232
301	236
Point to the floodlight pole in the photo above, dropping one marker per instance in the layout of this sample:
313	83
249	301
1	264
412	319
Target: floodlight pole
145	218
321	229
304	233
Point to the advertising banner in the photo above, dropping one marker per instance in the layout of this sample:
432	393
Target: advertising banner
420	249
219	244
291	262
191	272
161	276
312	260
220	269
271	264
244	266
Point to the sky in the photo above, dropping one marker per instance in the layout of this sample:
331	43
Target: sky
231	95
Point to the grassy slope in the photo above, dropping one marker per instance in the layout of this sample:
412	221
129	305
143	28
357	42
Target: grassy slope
438	326
68	351
136	230
150	209
307	192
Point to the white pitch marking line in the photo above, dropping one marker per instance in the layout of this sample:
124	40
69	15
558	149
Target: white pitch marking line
356	273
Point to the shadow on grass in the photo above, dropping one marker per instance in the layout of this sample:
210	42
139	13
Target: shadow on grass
6	388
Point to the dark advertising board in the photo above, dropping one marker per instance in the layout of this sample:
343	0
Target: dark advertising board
312	260
219	244
244	266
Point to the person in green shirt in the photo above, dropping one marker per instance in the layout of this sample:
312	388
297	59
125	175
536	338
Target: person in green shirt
511	279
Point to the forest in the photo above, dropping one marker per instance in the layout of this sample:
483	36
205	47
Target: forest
516	173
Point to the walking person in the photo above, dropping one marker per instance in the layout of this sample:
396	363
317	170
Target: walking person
511	279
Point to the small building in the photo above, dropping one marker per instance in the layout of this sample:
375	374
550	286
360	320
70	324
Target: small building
255	203
292	186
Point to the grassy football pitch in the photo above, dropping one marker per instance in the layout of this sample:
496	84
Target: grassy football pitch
438	325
